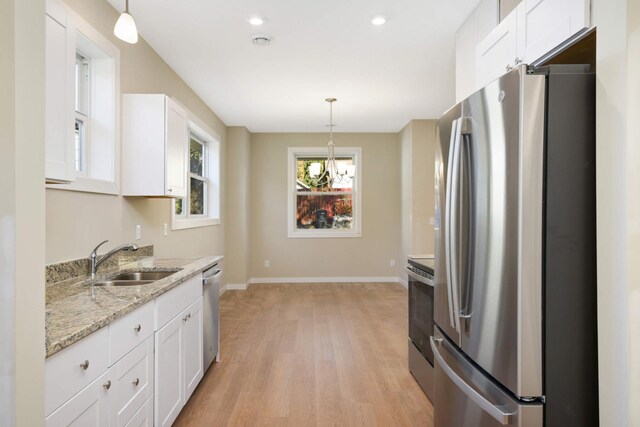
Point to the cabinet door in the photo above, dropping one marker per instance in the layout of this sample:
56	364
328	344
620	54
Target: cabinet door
59	94
544	25
88	408
169	383
177	141
192	347
466	42
497	53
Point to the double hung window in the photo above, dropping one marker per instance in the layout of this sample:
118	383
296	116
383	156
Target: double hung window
201	207
324	201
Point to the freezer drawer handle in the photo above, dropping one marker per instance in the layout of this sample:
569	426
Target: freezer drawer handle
504	418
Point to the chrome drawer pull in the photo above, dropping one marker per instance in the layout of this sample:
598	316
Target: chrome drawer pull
136	382
137	328
85	365
107	385
185	318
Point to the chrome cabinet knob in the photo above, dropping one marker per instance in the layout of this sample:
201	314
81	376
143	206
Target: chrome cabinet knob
137	328
169	190
107	385
185	318
508	67
136	382
517	61
85	365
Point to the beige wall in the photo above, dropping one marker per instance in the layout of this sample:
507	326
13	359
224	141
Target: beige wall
22	213
236	262
418	146
618	155
367	256
76	221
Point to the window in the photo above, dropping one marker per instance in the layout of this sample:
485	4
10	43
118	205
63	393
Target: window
82	112
96	98
201	207
318	206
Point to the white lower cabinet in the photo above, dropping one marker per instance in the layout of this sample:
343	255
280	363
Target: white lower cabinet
192	336
144	416
132	382
121	388
126	374
169	379
178	361
90	407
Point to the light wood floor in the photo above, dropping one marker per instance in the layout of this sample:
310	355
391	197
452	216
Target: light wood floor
311	355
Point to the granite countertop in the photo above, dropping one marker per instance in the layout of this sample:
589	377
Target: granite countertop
75	309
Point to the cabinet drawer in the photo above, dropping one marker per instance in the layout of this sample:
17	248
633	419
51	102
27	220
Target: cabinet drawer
72	369
133	383
144	416
128	332
87	408
172	303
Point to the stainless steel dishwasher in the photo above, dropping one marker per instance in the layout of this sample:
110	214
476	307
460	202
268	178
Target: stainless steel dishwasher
211	315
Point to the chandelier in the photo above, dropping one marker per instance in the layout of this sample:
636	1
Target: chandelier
334	172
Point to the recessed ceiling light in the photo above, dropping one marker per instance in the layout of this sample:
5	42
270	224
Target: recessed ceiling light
256	20
261	39
379	20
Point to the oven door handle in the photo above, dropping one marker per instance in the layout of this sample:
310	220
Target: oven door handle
419	278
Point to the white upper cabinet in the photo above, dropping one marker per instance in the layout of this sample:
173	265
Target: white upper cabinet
498	52
483	19
155	137
59	94
533	31
546	24
466	41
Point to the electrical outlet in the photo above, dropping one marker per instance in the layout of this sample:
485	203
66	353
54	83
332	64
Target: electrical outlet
392	263
138	232
267	263
166	229
432	221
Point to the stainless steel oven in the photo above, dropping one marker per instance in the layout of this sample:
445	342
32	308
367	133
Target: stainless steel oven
421	324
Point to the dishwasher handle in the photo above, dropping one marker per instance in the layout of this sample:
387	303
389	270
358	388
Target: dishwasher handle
211	273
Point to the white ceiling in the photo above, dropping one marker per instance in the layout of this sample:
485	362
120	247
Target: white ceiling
382	76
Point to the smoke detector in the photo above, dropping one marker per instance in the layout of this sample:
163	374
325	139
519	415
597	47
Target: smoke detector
261	39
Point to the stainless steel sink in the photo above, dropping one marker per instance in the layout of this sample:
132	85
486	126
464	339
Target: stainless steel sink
143	275
123	282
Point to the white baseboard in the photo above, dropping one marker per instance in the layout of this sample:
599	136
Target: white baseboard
233	287
403	282
324	280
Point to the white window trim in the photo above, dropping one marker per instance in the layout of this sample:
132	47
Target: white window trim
90	185
293	232
214	195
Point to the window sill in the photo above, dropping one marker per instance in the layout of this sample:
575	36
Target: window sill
323	234
183	224
88	185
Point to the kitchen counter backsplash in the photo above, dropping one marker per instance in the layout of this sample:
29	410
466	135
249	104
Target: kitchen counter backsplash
62	271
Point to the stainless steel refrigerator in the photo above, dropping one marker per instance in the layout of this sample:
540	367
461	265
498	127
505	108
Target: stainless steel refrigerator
515	273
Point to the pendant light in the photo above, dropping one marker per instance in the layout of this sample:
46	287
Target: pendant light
125	28
337	174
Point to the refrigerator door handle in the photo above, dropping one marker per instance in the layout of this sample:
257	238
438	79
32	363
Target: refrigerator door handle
504	418
451	220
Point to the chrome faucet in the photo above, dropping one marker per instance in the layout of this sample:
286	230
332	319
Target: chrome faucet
94	255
